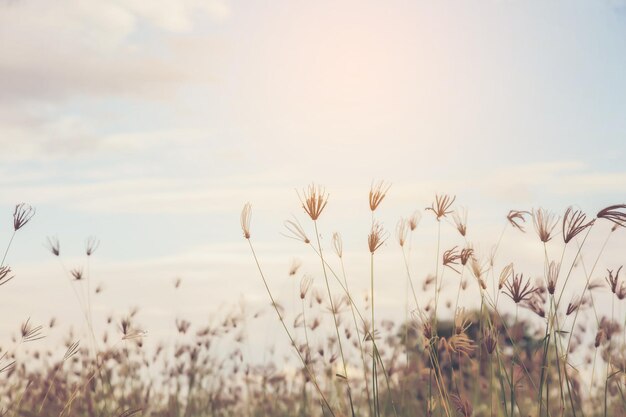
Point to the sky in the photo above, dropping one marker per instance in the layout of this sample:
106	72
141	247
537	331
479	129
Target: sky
150	123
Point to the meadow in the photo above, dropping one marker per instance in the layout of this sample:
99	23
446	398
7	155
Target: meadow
550	345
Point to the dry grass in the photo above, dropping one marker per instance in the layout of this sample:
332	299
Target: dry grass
559	358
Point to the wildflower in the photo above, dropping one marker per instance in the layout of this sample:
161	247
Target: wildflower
614	214
460	220
22	215
517	290
77	273
376	237
462	405
613	280
402	231
461	343
53	245
246	215
516	216
574	223
313	200
30	333
491	340
378	191
305	285
441	206
451	257
295	265
91	244
414	220
544	224
466	255
296	231
5	276
504	275
338	244
553	275
478	271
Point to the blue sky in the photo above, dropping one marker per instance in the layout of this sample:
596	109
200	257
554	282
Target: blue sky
149	124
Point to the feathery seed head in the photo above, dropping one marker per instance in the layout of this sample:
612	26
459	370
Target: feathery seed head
574	223
414	220
615	213
246	215
459	217
314	199
515	217
91	245
376	237
53	245
378	191
338	244
441	206
296	231
544	224
22	215
402	231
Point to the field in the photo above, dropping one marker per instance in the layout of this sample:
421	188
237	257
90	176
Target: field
479	337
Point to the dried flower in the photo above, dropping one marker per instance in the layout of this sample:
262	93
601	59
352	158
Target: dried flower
414	220
5	275
313	199
460	220
378	191
295	265
305	285
462	405
402	231
376	237
338	244
246	215
296	231
91	245
490	338
574	223
516	216
22	215
613	280
451	257
544	224
517	290
53	245
504	275
553	276
614	214
77	273
441	205
30	333
466	255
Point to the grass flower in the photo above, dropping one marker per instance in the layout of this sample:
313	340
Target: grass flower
544	224
615	213
441	206
574	223
246	215
22	215
516	218
378	191
376	237
314	200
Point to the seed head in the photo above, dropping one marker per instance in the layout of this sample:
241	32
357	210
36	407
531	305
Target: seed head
466	255
515	217
5	275
338	244
246	215
519	291
376	237
544	224
305	285
313	199
378	191
615	213
450	258
613	280
574	223
553	276
77	273
414	220
441	206
460	220
22	215
53	245
296	231
490	338
91	245
402	231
